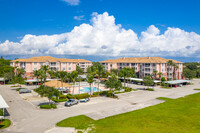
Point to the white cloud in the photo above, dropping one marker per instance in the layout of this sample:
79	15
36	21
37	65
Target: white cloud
72	2
79	17
104	37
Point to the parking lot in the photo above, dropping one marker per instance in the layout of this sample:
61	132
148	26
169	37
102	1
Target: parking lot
26	117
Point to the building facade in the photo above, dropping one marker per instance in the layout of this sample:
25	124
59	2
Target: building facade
145	66
59	64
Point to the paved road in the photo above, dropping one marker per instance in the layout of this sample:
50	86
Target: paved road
27	118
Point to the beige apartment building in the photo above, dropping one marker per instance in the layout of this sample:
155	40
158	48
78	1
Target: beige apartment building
145	66
59	64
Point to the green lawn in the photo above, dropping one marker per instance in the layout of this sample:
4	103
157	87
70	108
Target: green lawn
173	116
5	123
79	122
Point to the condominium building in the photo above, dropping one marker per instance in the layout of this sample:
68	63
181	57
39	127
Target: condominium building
59	64
145	66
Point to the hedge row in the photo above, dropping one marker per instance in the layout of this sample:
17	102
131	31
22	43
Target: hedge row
47	106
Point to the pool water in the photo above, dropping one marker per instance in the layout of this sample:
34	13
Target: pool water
87	89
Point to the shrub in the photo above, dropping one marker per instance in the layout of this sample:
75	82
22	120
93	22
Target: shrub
70	96
60	100
163	79
19	89
197	89
166	87
47	106
82	96
127	89
162	84
1	112
62	97
150	89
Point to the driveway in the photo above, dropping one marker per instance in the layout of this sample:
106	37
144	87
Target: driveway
27	118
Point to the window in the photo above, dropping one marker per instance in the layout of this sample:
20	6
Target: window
162	70
58	63
41	63
35	68
69	68
63	68
69	63
63	63
11	63
35	63
154	64
127	64
180	69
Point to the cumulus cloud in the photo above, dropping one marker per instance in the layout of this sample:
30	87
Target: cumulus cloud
104	37
79	17
72	2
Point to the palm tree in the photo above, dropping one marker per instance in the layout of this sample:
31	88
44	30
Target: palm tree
160	74
36	73
44	71
169	66
113	82
90	80
155	73
175	67
99	71
62	76
125	73
73	76
79	79
15	67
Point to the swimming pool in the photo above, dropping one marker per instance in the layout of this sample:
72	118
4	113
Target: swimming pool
87	89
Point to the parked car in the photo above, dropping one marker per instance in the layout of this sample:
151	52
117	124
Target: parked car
71	102
24	91
85	100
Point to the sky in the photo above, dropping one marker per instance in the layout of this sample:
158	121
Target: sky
108	28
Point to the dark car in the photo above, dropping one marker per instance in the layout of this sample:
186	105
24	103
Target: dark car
24	91
71	102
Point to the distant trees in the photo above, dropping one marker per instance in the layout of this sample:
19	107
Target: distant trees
191	70
79	70
126	73
189	74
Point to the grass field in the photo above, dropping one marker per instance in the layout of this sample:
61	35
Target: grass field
173	116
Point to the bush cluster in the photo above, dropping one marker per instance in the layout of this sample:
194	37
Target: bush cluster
47	106
105	93
19	89
127	89
150	89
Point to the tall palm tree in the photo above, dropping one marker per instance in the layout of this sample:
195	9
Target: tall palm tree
99	71
44	71
160	74
21	72
36	73
73	76
63	76
90	80
169	67
175	67
15	67
125	73
155	73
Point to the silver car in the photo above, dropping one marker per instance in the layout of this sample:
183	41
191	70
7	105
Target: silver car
71	102
24	91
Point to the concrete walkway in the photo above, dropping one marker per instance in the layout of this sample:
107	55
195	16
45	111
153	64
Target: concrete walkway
27	118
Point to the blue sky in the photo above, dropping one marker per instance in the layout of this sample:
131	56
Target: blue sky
38	17
100	27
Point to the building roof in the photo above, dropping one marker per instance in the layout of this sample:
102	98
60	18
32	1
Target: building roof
177	81
3	104
56	84
50	59
140	60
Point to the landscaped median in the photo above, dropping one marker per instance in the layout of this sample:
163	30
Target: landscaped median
5	122
175	115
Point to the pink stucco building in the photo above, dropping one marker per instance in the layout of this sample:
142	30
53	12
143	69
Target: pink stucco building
60	64
146	66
